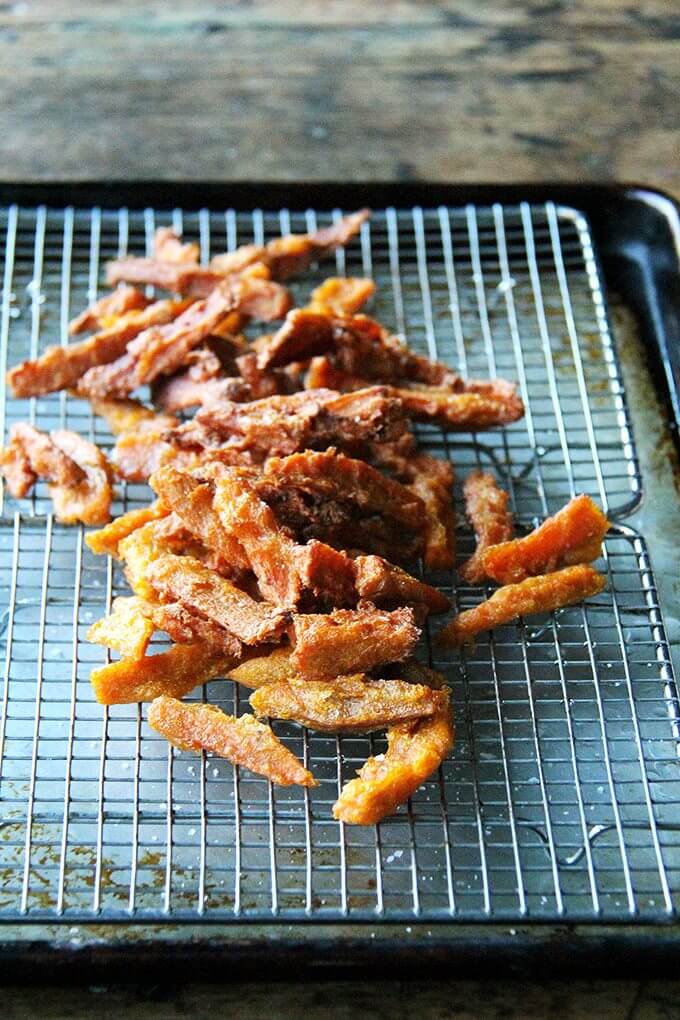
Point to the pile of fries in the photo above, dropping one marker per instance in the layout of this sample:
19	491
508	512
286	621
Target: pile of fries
289	510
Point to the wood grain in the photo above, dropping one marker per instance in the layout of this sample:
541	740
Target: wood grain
457	91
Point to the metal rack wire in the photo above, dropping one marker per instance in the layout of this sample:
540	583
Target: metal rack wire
562	796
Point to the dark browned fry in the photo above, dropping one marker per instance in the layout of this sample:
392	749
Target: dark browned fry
243	741
533	595
61	367
414	751
346	703
185	580
386	584
573	535
351	640
487	507
175	672
281	425
102	312
78	473
333	475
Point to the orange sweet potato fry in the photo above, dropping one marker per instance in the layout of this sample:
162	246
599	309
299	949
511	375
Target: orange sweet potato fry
432	481
243	740
126	629
533	595
108	538
573	535
350	640
461	412
270	668
186	628
346	703
414	751
341	295
175	672
487	507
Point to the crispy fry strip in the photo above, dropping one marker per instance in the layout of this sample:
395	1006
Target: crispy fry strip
123	415
573	535
62	367
285	256
185	628
533	595
108	308
327	573
184	579
414	752
351	639
77	472
341	295
243	741
461	412
333	475
432	481
192	501
487	507
268	548
257	670
346	703
175	672
384	583
126	629
108	539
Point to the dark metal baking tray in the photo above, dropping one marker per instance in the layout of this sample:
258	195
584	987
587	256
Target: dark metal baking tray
552	836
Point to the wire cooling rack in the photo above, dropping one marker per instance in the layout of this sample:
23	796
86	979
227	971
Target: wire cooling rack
561	799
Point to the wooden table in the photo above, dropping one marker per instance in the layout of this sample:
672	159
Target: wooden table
461	91
450	91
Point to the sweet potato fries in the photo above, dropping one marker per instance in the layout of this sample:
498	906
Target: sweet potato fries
292	510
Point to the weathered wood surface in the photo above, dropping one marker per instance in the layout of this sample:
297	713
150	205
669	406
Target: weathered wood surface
457	91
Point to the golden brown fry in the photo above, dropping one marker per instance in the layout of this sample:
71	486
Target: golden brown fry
192	501
487	507
341	295
351	639
123	415
346	703
138	550
432	481
107	539
243	741
533	595
126	629
270	668
461	412
107	309
268	548
175	672
573	535
185	580
384	583
414	751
